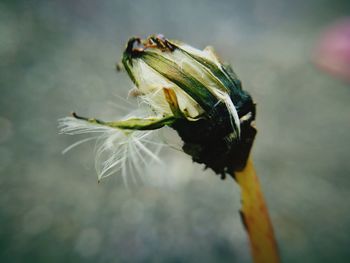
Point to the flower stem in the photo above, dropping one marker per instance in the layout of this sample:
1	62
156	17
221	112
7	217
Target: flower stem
255	216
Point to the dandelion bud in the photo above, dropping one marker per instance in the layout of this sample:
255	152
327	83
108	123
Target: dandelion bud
212	114
189	90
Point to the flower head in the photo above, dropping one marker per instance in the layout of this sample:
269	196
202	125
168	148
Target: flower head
196	94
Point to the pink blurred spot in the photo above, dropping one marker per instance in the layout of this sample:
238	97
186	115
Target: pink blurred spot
333	50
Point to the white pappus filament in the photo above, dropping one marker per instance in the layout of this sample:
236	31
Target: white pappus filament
117	150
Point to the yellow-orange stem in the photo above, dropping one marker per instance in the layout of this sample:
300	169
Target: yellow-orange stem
256	217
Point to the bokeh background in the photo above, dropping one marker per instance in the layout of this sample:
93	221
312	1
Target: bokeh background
59	56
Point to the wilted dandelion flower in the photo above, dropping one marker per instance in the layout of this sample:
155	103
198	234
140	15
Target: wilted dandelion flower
187	89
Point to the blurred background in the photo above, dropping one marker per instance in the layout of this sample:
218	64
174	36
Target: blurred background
59	56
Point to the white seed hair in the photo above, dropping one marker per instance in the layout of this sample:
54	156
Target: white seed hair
116	150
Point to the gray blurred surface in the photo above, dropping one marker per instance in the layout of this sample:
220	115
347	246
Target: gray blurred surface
59	56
